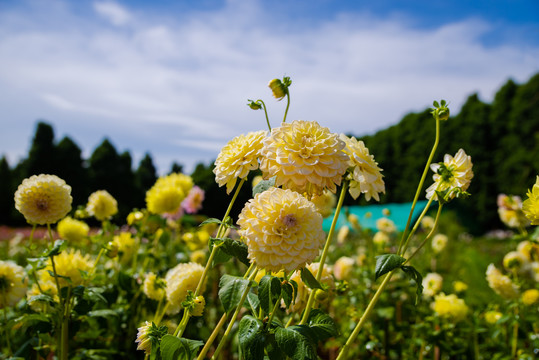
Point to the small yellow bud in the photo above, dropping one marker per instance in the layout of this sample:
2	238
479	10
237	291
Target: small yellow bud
278	89
199	304
111	250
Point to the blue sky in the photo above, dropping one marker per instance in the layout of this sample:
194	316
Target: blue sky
172	77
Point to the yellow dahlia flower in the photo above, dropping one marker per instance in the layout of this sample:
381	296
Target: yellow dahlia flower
179	280
102	205
366	176
381	238
43	199
531	204
449	307
325	203
427	222
459	286
153	287
439	241
515	260
530	297
501	284
454	173
492	317
529	250
510	211
143	338
282	230
342	269
72	230
304	291
432	284
13	283
304	157
68	264
198	256
239	156
386	225
126	244
168	192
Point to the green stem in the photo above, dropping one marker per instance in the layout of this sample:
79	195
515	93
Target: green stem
186	315
215	331
32	233
64	340
310	302
420	186
514	344
5	321
368	310
234	317
265	112
428	236
287	104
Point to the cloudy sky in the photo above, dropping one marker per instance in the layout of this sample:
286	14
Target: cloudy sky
172	78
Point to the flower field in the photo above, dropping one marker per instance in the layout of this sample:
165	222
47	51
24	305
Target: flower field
170	283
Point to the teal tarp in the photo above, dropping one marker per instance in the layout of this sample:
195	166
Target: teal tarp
398	213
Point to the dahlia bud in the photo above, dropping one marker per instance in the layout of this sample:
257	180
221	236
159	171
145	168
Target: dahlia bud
198	306
254	105
278	89
440	112
111	250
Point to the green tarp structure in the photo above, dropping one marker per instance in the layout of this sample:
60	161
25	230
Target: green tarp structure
368	214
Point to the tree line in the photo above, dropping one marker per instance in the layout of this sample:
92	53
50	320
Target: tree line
502	138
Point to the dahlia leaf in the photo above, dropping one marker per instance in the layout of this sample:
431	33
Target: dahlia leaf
58	247
251	337
253	302
322	325
288	292
416	276
174	348
231	289
387	262
236	249
264	185
309	279
269	290
297	342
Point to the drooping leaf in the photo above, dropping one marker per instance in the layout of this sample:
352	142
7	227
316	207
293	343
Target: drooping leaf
387	262
253	302
231	289
269	290
251	337
287	291
416	276
236	248
309	279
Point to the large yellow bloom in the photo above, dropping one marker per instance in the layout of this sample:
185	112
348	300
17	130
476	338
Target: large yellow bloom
530	206
68	264
72	230
179	280
102	205
450	307
168	192
239	156
43	199
304	157
366	176
501	284
12	283
456	174
282	229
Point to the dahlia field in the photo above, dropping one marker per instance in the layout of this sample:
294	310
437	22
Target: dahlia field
169	283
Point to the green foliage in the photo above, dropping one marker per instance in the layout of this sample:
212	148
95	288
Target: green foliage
386	263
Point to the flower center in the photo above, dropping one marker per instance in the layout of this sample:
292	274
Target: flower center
42	204
289	220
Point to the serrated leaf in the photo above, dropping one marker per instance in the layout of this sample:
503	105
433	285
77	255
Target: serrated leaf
210	221
287	291
231	289
269	290
387	262
309	279
251	338
322	324
416	276
237	249
66	278
57	248
103	313
296	342
174	348
264	185
253	302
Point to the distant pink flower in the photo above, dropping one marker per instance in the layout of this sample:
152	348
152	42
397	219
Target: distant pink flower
193	201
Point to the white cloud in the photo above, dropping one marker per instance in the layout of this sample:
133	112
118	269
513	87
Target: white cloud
173	83
113	12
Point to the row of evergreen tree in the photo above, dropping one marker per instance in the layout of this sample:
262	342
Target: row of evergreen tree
502	138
